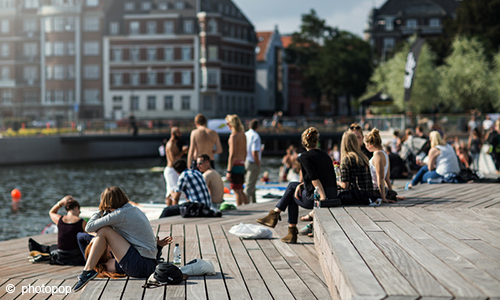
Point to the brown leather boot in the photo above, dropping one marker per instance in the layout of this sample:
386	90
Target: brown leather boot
271	219
291	237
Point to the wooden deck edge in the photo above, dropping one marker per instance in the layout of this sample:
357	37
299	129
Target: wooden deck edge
341	287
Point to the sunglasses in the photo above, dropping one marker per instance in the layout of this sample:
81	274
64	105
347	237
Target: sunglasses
200	163
355	127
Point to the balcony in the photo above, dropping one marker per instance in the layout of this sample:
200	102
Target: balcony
7	83
48	10
424	30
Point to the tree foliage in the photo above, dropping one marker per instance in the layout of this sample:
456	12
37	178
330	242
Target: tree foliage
466	77
335	62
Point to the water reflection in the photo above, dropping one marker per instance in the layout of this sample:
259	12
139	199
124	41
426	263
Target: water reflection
43	185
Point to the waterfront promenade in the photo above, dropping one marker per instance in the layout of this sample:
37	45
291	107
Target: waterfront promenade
443	242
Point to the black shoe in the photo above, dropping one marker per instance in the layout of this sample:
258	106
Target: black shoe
84	279
39	258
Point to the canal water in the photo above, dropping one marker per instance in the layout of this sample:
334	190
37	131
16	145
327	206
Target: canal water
43	185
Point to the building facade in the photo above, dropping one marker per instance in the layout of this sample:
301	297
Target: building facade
51	59
175	59
271	88
396	20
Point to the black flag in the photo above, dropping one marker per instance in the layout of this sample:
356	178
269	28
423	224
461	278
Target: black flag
411	66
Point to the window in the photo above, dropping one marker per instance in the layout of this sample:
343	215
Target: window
71	72
59	48
134	27
30	25
70	24
30	49
207	102
232	31
58	96
117	54
212	77
169	78
71	96
169	54
58	72
91	48
48	24
146	5
179	5
151	102
71	48
30	97
220	104
188	26
92	2
30	73
117	80
151	27
48	48
134	103
7	97
91	24
238	32
58	24
5	50
134	54
411	23
213	52
5	26
91	96
388	44
30	4
151	54
5	73
186	53
49	74
48	96
168	27
163	6
91	72
151	78
114	28
185	102
389	23
434	22
168	103
129	6
212	26
186	77
117	99
134	79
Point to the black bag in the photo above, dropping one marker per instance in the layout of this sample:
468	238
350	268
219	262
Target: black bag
391	195
67	257
198	210
354	197
330	202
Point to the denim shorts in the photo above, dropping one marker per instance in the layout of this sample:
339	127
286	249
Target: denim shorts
134	265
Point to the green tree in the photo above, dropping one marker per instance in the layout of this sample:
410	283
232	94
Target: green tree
389	77
495	77
335	62
466	77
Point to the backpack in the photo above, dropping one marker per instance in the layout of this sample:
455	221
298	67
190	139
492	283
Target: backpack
198	210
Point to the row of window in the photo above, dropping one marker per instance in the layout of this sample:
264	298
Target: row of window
29	73
60	24
238	81
231	104
91	48
30	4
152	27
151	79
152	103
90	96
163	5
152	54
60	72
410	23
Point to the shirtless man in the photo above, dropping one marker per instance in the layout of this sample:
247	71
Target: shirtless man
236	162
213	180
202	141
172	153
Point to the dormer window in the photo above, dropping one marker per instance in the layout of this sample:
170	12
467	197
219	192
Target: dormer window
389	24
180	5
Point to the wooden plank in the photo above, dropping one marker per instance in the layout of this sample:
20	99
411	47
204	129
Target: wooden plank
393	282
59	296
93	289
362	219
134	290
257	285
114	289
215	285
20	287
374	214
349	272
195	289
448	277
8	286
31	292
233	278
177	292
485	248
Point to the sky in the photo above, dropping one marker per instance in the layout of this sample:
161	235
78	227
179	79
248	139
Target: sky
350	15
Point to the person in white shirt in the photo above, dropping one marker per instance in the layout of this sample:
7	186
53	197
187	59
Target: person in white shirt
252	161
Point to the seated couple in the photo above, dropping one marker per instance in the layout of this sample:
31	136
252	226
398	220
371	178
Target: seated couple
206	188
126	231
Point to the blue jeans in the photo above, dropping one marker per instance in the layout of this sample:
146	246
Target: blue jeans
423	175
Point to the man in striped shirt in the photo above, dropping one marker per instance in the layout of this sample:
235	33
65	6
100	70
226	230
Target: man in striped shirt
191	183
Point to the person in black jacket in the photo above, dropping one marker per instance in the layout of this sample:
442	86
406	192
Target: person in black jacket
317	172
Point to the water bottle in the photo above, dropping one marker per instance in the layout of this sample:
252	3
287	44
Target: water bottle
177	255
316	198
435	180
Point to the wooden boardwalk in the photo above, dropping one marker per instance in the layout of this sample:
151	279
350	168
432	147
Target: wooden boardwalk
441	243
246	269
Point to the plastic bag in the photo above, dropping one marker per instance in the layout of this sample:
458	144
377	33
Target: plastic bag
198	267
251	231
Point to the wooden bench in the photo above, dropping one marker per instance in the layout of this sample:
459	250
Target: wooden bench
442	242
